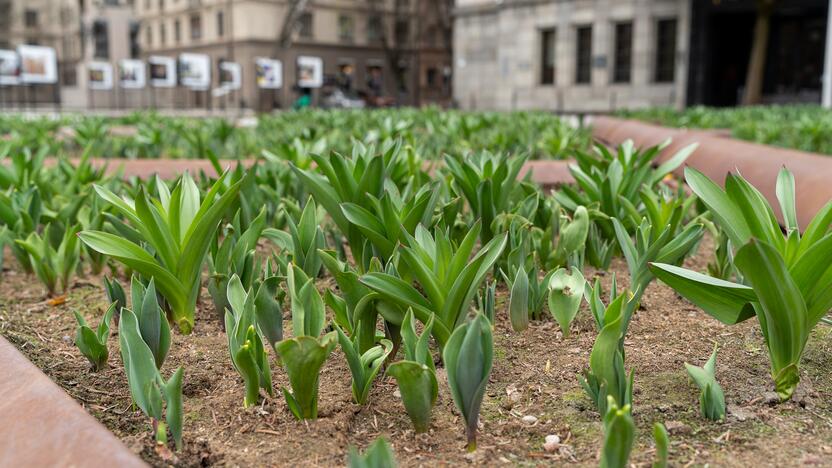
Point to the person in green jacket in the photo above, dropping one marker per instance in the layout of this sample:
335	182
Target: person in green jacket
304	100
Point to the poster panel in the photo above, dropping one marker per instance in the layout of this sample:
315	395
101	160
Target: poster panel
131	74
310	72
162	71
269	73
100	75
195	71
9	67
38	64
231	74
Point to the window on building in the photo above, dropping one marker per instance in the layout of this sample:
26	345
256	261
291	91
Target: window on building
5	14
134	39
665	51
583	54
431	76
402	31
100	40
161	5
177	31
196	26
305	28
148	37
346	28
374	28
30	18
547	56
67	16
69	76
622	60
163	36
220	23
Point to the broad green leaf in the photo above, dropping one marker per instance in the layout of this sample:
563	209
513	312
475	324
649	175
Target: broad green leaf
727	302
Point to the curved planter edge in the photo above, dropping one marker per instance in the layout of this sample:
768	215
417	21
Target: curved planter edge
43	426
717	155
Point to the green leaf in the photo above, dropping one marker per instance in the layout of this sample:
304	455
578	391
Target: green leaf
727	302
303	357
662	441
725	211
174	411
785	195
139	365
619	435
468	357
419	390
781	310
711	398
378	455
565	294
518	301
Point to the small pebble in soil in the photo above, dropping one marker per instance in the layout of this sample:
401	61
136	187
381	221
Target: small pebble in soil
513	397
397	393
811	459
741	414
552	443
529	419
771	398
677	427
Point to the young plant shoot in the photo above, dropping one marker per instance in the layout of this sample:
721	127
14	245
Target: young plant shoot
147	387
468	356
711	398
416	374
619	435
93	343
248	353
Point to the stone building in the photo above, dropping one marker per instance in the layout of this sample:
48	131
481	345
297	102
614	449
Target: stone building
366	46
587	55
601	55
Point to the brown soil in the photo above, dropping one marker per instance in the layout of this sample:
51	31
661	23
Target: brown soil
539	364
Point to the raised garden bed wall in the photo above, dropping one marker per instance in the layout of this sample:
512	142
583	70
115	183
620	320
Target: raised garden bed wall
717	155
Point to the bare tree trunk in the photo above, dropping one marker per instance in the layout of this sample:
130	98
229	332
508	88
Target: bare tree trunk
393	51
293	13
756	65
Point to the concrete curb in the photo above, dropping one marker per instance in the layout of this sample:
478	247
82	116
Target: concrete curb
43	426
717	155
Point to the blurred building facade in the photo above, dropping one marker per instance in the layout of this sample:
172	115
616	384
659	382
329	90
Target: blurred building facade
601	55
51	23
381	48
392	51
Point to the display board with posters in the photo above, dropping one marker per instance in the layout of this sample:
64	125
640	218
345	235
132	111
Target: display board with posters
195	71
231	75
100	75
269	73
310	72
38	64
131	74
9	68
162	71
